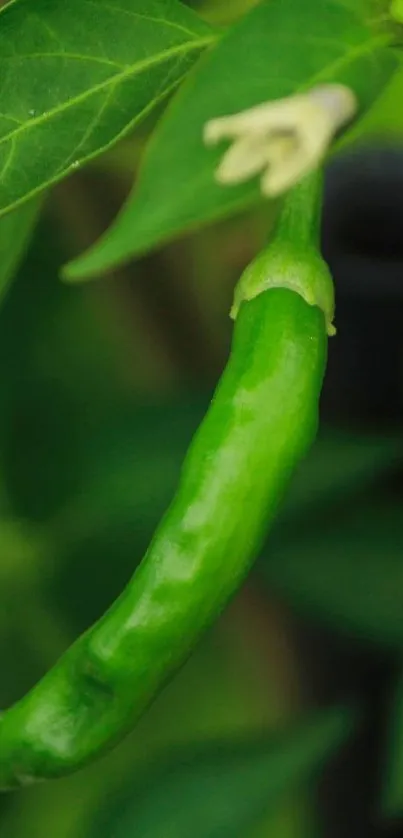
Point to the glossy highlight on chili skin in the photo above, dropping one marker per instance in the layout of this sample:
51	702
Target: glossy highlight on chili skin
261	421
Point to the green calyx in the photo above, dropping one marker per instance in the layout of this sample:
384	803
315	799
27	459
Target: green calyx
293	259
300	270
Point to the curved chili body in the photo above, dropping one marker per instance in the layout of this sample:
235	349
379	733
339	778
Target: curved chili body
261	421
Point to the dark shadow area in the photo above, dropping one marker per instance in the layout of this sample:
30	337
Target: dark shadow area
362	241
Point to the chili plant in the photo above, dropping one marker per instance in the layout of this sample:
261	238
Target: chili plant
243	108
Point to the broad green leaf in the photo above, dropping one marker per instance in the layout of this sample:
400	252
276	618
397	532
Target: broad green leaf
15	234
223	790
378	13
279	48
369	9
392	800
346	571
222	13
384	119
77	74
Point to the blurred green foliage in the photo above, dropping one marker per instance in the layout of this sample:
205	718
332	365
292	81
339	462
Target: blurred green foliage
94	424
88	464
223	789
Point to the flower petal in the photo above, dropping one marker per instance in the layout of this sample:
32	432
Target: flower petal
324	110
309	149
337	101
286	137
280	113
244	159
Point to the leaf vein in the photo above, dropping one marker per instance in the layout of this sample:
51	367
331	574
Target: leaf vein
66	55
133	70
8	160
11	118
138	16
45	26
312	39
88	131
344	60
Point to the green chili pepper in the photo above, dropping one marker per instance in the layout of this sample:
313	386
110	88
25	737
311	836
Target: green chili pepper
261	420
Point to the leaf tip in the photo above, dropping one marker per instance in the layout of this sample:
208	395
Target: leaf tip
89	265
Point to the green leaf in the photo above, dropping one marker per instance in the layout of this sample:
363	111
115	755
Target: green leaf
344	571
276	50
15	234
75	75
385	118
396	10
392	798
221	790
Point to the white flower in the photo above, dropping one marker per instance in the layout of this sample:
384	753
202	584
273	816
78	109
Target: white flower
283	139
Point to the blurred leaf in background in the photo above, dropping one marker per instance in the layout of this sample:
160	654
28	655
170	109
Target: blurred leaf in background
15	233
224	789
392	763
176	188
383	122
346	570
